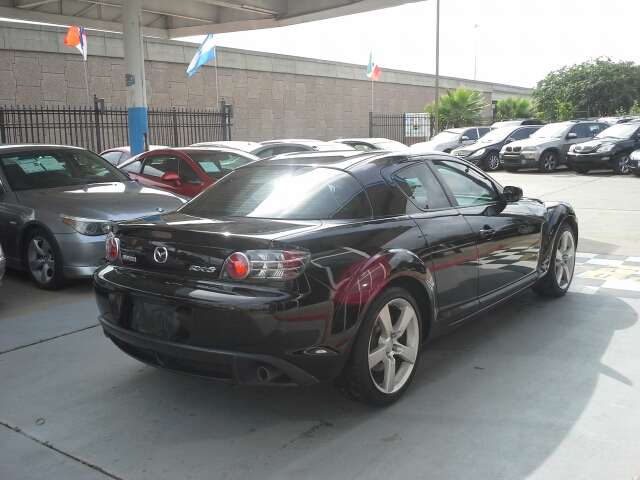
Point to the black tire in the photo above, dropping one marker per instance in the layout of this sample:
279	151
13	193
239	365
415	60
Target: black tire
621	164
581	169
42	260
548	162
550	285
396	351
491	162
511	169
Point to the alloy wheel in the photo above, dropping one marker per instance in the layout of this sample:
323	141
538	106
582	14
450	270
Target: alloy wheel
393	346
493	162
41	259
565	259
623	164
549	162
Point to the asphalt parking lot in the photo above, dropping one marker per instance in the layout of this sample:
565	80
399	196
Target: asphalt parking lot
537	389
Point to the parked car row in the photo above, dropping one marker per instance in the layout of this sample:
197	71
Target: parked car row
289	270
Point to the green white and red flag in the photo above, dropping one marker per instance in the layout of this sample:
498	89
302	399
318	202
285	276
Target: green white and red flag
373	70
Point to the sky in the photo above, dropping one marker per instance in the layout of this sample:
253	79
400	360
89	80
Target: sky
516	42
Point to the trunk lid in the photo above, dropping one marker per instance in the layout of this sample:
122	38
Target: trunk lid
179	244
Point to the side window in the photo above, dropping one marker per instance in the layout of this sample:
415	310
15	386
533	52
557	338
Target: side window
578	130
521	134
468	186
421	187
112	157
361	146
159	165
133	167
287	149
472	133
594	129
188	174
483	131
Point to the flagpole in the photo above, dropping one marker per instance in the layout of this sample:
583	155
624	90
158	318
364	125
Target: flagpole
217	91
86	81
371	94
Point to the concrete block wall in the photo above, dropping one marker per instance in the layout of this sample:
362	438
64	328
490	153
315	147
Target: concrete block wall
274	96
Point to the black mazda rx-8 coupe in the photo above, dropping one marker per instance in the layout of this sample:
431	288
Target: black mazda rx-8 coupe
327	266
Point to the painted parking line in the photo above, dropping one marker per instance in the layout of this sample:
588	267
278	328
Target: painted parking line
610	274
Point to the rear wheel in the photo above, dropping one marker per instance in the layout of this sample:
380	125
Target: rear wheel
621	164
557	280
492	162
43	260
580	169
511	169
548	162
385	355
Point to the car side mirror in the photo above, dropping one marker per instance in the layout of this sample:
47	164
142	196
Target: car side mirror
463	138
509	140
572	135
512	194
171	177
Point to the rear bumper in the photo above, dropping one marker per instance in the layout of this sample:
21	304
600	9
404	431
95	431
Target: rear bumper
239	367
220	330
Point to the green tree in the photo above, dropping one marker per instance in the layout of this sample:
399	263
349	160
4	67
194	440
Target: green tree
514	107
458	108
600	87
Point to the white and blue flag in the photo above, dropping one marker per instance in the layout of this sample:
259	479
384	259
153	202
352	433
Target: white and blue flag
206	52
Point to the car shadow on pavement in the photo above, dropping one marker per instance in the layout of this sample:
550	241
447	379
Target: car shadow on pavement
495	399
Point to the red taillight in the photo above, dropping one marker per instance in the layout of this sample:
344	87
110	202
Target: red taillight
266	264
292	262
238	266
113	247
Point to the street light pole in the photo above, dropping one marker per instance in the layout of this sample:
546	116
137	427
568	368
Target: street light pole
437	65
475	50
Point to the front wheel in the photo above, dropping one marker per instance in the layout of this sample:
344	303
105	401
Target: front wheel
548	162
385	354
43	260
621	164
492	162
557	280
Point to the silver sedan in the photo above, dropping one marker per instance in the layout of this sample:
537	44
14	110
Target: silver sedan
57	205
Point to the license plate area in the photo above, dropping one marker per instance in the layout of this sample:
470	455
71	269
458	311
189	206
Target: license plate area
161	320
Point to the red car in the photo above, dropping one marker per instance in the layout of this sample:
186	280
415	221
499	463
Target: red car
184	171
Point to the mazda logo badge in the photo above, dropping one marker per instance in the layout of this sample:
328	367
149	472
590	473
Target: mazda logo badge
160	254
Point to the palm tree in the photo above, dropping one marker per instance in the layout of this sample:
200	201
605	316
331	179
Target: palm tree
514	107
459	108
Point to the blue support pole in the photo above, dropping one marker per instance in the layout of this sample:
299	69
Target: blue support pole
134	75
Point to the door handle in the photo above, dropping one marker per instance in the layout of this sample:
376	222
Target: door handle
486	232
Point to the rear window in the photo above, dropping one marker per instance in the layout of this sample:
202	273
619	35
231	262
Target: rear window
285	192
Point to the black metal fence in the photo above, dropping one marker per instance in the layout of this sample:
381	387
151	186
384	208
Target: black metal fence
408	128
100	128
